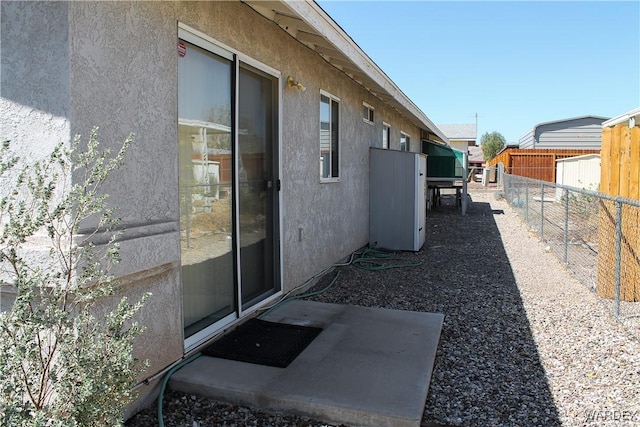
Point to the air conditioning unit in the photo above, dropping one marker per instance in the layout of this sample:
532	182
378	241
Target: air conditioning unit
397	199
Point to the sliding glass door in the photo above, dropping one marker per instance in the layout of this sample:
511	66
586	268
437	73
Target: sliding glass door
229	210
206	215
257	184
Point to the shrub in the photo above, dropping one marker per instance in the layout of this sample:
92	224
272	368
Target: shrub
66	345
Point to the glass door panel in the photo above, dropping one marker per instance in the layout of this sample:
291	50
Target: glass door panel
206	182
257	187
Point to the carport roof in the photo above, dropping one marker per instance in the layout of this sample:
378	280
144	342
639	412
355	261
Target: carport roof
308	23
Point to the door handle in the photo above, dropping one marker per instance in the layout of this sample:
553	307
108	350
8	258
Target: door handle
269	184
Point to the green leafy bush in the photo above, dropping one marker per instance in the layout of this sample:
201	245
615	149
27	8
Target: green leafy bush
66	345
491	144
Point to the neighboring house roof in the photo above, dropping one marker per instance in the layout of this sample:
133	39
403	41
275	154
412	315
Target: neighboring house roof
459	131
475	154
570	119
307	22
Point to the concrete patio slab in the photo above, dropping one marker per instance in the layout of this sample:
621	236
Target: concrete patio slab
368	367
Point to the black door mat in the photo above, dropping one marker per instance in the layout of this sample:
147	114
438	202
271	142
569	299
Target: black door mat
263	343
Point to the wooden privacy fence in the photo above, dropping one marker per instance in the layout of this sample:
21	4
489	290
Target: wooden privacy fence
535	163
620	161
619	257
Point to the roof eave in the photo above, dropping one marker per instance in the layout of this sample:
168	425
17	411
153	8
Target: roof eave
318	31
633	114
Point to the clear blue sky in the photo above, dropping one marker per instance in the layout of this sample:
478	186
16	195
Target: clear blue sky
515	64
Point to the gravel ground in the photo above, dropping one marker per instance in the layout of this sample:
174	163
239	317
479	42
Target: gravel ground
523	342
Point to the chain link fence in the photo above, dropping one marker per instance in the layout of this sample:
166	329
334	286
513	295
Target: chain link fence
596	236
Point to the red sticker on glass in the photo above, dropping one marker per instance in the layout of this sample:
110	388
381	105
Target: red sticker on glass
182	49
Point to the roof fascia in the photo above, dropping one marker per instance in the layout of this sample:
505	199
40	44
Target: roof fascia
633	114
582	157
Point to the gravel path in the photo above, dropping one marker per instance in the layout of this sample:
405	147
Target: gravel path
523	342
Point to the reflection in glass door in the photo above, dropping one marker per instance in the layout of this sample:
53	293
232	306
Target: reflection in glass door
205	162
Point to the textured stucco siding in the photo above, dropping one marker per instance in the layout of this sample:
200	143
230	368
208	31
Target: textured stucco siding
34	89
64	70
115	65
123	79
125	56
34	72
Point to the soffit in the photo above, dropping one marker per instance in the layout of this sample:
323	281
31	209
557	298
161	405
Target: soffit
311	26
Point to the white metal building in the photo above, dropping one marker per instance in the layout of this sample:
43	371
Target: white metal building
580	172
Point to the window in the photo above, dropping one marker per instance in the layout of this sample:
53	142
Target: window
386	130
405	142
367	113
329	137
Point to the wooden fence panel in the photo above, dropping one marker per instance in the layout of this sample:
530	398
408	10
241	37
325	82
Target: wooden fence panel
625	161
620	176
620	162
634	161
605	160
503	158
537	163
614	161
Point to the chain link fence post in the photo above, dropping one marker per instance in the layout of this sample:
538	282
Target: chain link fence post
616	309
566	226
542	210
526	203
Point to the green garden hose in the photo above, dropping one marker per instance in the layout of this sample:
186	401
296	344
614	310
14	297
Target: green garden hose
375	260
166	380
309	294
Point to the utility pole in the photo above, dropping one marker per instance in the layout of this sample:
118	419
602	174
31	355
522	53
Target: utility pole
476	128
476	116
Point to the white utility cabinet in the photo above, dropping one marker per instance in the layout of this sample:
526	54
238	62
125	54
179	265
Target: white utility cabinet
397	199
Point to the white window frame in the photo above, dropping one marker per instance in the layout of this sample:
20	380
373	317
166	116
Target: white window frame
335	99
407	141
370	113
386	131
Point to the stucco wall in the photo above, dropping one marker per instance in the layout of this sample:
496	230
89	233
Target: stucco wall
34	87
34	72
125	62
123	79
116	64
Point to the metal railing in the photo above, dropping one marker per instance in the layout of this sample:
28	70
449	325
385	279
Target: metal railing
596	236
